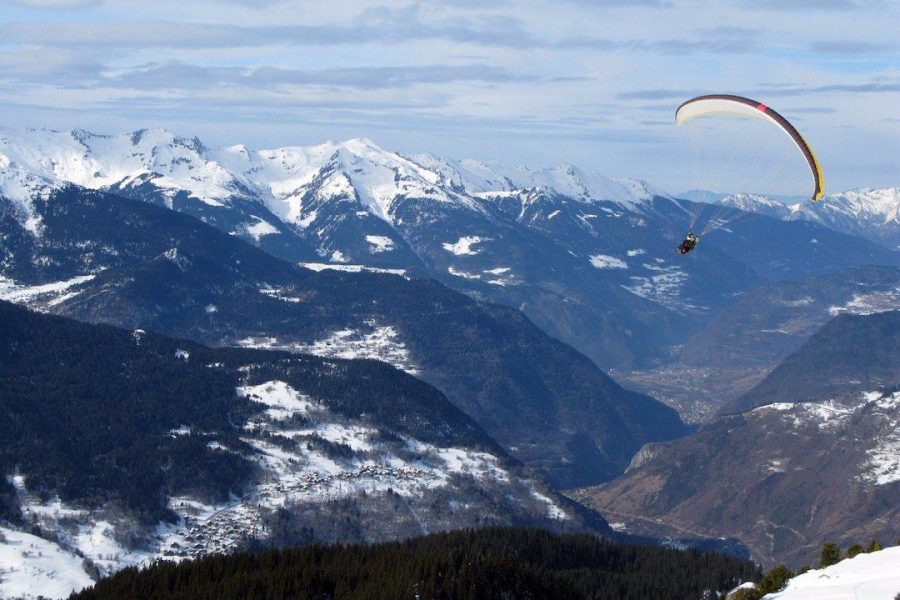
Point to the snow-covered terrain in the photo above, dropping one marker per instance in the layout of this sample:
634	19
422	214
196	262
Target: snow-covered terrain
349	268
464	245
482	178
867	576
282	179
308	455
354	203
869	303
369	340
379	243
31	566
662	285
869	212
882	465
757	204
23	188
48	293
603	261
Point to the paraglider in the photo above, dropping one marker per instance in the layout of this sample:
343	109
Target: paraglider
690	242
724	106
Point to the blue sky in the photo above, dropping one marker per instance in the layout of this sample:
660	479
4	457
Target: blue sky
542	82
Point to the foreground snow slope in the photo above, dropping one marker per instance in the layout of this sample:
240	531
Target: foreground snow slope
874	576
31	567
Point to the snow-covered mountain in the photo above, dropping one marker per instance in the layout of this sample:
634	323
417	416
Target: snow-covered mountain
103	258
872	213
212	450
755	203
587	258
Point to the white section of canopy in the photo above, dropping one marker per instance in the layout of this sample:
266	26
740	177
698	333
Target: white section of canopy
711	106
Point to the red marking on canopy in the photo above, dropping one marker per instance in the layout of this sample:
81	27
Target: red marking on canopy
761	107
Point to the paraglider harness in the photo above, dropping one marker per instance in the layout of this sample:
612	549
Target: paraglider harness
690	242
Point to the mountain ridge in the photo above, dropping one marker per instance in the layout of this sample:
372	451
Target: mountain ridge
587	258
137	265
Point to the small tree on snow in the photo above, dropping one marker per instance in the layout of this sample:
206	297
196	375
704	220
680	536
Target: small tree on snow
775	579
830	555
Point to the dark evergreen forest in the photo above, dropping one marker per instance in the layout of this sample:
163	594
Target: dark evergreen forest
486	563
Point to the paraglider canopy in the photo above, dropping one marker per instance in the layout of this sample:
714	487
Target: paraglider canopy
724	104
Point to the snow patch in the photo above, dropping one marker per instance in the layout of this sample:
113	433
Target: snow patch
873	576
379	243
308	219
49	293
883	466
351	268
464	245
553	511
260	229
868	304
278	294
31	566
373	341
663	287
457	273
604	261
283	400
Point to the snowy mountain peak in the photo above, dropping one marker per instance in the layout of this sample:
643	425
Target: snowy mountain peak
290	181
23	188
883	202
872	213
756	203
641	189
490	178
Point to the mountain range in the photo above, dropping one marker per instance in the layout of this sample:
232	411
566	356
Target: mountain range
586	258
102	258
870	213
244	287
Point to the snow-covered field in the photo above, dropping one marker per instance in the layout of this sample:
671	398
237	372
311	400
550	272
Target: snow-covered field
370	340
31	566
260	229
874	576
